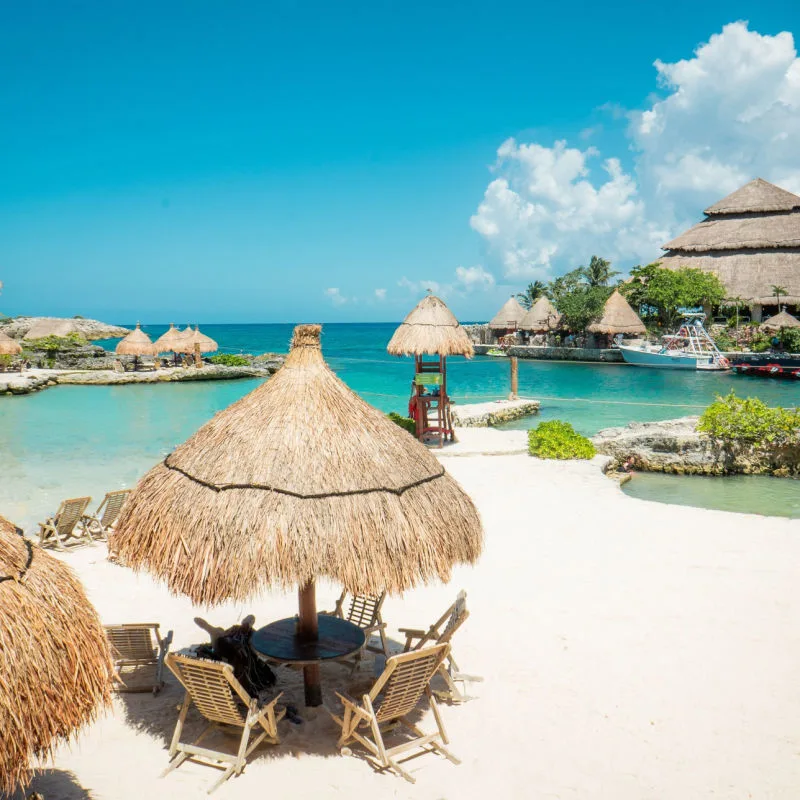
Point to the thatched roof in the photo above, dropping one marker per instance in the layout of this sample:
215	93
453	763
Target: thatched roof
541	317
189	338
169	340
780	320
9	346
55	665
50	327
136	343
618	317
430	329
757	196
509	316
755	231
300	478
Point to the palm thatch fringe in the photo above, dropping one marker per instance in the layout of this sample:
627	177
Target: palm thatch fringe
300	478
9	346
55	665
509	316
194	337
618	317
136	343
430	329
758	195
541	318
754	231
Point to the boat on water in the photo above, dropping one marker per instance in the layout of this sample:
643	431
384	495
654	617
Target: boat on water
767	371
690	348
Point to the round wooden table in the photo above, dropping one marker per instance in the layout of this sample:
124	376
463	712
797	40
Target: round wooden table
337	638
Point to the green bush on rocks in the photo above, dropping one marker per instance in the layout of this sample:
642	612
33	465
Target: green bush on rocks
557	439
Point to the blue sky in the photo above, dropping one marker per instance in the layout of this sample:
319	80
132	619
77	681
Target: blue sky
240	161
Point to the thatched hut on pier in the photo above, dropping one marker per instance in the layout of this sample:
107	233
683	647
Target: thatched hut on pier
55	665
751	240
299	479
508	318
618	317
542	317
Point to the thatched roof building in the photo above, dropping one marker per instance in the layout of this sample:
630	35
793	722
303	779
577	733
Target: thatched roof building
300	478
430	329
509	316
136	343
55	665
779	321
750	239
9	346
541	317
618	317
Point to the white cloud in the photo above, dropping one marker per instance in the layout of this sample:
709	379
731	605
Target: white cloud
335	296
474	277
380	294
420	287
731	113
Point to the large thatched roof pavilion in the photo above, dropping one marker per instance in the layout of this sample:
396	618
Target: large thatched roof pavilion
9	346
508	317
541	317
618	317
55	666
751	240
300	478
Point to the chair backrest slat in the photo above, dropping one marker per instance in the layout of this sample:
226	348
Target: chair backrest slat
458	617
364	609
69	513
211	685
133	642
112	505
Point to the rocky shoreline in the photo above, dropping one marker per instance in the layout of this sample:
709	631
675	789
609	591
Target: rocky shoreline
675	446
90	329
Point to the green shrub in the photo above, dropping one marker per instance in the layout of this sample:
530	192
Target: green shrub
403	422
749	421
724	341
229	360
557	439
760	343
52	344
790	339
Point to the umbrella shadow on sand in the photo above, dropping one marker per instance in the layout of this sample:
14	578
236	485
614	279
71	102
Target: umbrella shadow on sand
52	784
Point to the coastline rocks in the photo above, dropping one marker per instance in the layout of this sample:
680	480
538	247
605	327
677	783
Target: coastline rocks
675	446
488	415
91	329
208	372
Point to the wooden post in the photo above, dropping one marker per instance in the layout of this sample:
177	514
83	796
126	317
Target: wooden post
307	629
198	361
514	378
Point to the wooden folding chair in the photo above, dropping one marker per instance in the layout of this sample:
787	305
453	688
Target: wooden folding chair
65	524
137	646
452	620
364	610
396	693
218	696
100	526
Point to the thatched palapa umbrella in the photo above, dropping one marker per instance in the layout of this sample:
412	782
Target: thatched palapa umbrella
542	317
55	665
196	343
136	343
300	478
509	316
9	346
618	317
782	320
168	341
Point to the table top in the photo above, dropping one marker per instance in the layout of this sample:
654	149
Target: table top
338	638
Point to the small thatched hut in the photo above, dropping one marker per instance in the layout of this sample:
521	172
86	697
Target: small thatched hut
9	346
50	327
780	321
191	338
618	317
136	343
751	240
508	317
300	478
55	665
542	317
430	329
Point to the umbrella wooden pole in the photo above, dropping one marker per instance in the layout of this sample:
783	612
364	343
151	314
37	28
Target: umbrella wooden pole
198	361
307	629
514	378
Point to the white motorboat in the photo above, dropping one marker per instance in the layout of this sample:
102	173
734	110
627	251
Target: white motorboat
690	348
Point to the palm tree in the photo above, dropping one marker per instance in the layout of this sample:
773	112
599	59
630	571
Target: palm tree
599	272
778	291
533	292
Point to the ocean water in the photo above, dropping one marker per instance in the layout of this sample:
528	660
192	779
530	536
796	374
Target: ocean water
70	440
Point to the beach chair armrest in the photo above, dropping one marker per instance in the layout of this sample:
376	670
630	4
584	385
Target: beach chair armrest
413	632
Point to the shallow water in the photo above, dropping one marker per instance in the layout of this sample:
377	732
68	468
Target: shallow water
752	494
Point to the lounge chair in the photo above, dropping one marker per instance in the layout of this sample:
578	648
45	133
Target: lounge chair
395	695
100	526
65	524
442	632
135	647
218	696
364	610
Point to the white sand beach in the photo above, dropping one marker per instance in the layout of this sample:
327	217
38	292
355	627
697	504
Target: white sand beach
629	650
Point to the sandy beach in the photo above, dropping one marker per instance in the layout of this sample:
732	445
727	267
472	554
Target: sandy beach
628	649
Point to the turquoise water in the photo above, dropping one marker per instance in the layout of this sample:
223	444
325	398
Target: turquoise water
74	440
755	494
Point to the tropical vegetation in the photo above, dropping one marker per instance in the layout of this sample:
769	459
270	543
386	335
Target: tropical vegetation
404	422
229	360
736	420
559	440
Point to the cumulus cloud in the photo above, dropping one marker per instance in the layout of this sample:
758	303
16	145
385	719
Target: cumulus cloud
420	287
380	294
474	278
728	114
335	296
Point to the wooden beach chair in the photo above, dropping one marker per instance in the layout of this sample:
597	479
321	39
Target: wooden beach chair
364	610
441	632
219	697
100	526
65	524
395	695
138	652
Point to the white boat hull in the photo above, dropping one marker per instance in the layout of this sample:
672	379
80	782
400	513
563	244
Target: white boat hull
661	360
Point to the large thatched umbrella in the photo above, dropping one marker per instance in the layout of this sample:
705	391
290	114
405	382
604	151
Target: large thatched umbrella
509	316
618	317
300	478
136	343
542	317
55	665
195	343
782	320
168	341
9	346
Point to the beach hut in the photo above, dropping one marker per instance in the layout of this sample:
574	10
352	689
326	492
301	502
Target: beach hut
431	329
618	317
9	346
136	343
167	341
55	666
542	317
508	318
196	343
780	321
299	479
